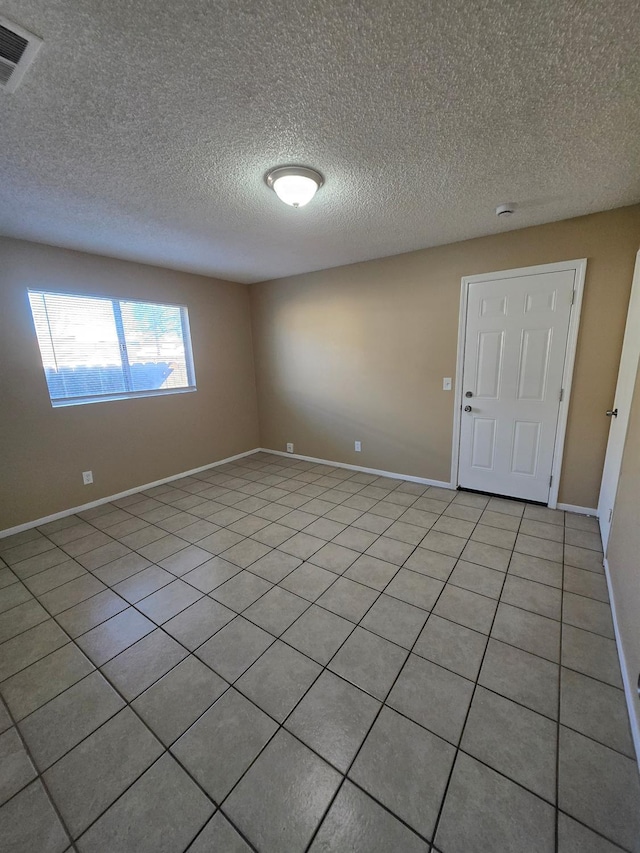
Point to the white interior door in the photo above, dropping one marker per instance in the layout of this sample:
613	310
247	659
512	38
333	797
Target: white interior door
515	344
622	406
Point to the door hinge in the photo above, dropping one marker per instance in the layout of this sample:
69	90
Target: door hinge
610	515
550	480
573	296
561	394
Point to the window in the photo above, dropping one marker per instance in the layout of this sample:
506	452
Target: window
95	348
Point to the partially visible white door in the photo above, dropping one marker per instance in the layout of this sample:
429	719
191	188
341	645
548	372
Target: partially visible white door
621	407
515	345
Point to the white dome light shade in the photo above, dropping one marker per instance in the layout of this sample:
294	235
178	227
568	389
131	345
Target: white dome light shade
295	185
296	190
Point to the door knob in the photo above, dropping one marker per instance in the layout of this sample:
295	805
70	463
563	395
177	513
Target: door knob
467	408
612	413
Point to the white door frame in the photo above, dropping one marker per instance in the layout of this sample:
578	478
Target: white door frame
579	267
623	399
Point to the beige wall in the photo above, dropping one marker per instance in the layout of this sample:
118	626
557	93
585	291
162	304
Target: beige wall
359	352
623	550
125	443
355	352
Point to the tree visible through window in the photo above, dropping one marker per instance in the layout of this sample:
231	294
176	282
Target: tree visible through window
95	348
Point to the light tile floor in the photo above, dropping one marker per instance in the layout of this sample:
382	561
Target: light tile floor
280	656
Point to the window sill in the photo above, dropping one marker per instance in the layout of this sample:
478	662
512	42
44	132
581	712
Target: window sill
105	398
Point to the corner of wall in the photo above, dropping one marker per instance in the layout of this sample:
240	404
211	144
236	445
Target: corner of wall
251	288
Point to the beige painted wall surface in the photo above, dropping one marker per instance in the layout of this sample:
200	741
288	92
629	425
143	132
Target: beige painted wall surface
359	352
126	443
623	552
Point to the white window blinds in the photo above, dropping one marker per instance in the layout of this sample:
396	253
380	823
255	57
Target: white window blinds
95	348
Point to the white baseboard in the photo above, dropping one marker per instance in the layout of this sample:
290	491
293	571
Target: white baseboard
441	484
65	512
580	510
629	690
424	481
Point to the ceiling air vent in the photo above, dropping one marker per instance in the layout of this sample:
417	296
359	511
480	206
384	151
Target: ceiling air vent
18	49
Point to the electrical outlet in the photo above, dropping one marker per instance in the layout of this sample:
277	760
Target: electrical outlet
358	446
446	383
289	447
87	477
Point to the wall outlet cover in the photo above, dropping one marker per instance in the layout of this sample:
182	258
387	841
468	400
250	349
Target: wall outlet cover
289	447
87	477
358	446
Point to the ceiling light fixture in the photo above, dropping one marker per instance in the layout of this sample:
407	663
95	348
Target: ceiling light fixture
294	185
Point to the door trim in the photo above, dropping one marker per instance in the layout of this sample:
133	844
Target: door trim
623	398
579	268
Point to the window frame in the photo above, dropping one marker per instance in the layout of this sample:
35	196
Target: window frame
62	402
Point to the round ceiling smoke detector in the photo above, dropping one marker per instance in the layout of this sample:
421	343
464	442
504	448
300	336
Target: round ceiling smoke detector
294	185
505	210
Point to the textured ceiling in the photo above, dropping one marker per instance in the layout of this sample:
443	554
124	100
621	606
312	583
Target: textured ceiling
143	130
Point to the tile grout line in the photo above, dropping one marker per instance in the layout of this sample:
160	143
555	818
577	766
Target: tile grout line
38	777
179	577
194	543
324	668
372	605
558	810
248	569
466	717
380	592
559	707
383	705
35	596
166	749
279	637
